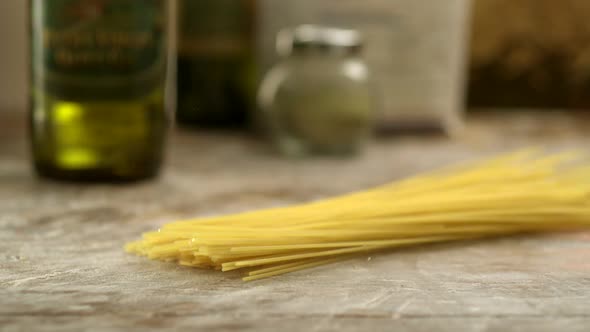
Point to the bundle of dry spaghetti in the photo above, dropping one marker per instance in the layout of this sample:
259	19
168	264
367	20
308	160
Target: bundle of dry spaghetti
523	192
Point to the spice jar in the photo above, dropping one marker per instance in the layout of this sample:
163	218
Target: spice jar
316	100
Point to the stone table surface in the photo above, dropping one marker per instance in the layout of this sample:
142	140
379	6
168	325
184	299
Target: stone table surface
62	266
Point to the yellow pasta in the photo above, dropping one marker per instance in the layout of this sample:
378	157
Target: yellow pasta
521	192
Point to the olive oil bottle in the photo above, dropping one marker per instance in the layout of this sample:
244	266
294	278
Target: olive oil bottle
98	88
216	73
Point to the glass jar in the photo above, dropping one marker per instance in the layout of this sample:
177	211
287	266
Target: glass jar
316	100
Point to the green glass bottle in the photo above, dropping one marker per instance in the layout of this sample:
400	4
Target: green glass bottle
216	73
98	88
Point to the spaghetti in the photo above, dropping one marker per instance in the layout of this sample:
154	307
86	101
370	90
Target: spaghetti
522	192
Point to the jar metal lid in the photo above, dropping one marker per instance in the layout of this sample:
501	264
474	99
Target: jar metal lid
318	37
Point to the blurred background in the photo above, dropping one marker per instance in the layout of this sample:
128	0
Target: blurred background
523	53
13	27
530	53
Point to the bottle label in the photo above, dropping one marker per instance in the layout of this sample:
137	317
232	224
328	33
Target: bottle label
215	28
96	49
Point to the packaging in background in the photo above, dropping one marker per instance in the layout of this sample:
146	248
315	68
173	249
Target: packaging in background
416	51
538	57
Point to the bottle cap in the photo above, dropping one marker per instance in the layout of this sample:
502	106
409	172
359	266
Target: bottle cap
307	37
